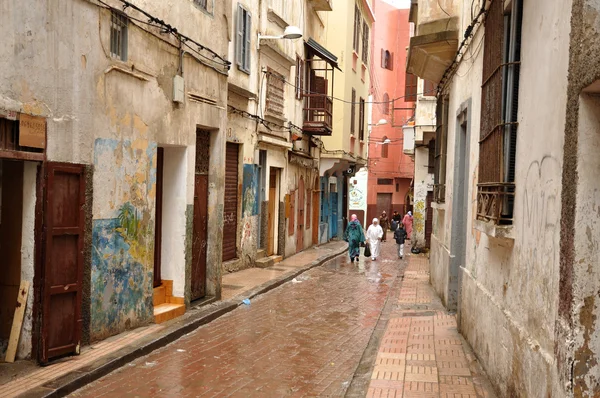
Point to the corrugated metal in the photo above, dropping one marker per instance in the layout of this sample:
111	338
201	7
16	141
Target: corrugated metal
230	206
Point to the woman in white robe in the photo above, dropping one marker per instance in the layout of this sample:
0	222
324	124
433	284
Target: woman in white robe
374	235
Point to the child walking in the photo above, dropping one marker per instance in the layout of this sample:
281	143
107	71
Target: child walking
400	236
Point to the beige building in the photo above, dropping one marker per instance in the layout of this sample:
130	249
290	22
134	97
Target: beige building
112	143
272	204
515	222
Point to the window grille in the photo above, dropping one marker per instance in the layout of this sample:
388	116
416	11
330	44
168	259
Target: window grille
353	112
365	43
357	21
361	120
275	94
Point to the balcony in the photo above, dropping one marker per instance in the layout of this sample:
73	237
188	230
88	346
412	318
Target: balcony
321	5
434	46
318	114
494	202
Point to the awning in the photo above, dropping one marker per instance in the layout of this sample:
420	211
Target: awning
322	53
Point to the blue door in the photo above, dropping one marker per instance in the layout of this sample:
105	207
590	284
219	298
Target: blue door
334	215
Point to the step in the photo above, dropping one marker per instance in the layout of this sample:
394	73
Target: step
277	259
261	253
264	262
166	312
160	295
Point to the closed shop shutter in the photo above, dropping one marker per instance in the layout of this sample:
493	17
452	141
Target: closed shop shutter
230	209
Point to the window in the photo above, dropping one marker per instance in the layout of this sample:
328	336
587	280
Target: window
357	20
299	77
243	39
118	35
429	88
384	147
275	94
499	105
206	5
410	88
365	43
387	60
441	141
431	157
385	181
386	104
361	120
353	112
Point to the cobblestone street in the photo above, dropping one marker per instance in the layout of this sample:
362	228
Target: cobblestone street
308	337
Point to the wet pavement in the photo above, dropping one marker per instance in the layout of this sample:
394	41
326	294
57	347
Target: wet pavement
303	339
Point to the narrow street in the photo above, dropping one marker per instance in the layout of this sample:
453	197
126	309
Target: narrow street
311	338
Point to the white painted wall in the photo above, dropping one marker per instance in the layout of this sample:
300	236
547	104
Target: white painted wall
174	222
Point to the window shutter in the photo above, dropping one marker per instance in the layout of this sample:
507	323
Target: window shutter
239	36
410	88
248	41
353	112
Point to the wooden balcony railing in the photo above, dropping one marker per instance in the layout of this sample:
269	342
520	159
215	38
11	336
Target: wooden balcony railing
318	114
495	202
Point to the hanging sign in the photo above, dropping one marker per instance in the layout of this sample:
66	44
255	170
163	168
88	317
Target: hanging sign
32	131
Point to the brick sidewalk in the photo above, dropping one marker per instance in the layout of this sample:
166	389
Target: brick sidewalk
422	353
39	381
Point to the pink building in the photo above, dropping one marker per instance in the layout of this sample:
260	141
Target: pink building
390	170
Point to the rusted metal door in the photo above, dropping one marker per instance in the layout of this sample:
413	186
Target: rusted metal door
429	219
230	210
200	234
272	207
63	260
300	207
160	156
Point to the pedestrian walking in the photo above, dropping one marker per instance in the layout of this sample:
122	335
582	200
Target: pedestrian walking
354	235
400	236
384	221
374	236
408	224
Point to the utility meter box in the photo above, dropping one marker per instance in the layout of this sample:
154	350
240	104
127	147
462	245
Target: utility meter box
178	85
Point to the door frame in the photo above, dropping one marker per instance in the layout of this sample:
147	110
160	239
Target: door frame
158	213
300	217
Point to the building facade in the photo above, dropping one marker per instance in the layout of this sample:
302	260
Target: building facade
514	244
390	170
112	133
344	149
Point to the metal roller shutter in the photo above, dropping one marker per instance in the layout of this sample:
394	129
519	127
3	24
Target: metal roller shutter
230	208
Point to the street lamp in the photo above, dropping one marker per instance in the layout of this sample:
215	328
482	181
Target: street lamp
381	122
290	33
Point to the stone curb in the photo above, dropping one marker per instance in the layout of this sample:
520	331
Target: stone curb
70	382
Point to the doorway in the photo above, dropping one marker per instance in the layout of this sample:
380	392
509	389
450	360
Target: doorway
273	208
333	192
160	161
384	203
262	175
230	206
300	223
316	206
344	203
200	235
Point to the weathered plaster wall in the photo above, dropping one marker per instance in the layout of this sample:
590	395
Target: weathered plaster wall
423	183
508	305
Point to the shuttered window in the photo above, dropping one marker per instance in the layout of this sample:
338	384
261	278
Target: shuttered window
387	59
243	39
353	112
385	106
230	207
441	147
361	120
292	215
206	5
384	147
357	21
365	43
499	106
275	94
429	88
410	88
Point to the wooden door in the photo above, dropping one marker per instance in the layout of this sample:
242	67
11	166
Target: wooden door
200	234
160	158
230	210
384	203
316	205
272	207
63	260
300	223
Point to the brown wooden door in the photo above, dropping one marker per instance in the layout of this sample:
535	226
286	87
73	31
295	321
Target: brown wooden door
272	207
230	209
384	203
300	207
199	243
63	260
160	160
316	205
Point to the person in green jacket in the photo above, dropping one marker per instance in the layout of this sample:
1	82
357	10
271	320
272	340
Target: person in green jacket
354	235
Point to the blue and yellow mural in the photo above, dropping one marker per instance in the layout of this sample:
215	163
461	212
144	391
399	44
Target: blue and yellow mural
250	190
123	239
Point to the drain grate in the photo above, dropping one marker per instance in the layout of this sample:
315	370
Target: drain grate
420	313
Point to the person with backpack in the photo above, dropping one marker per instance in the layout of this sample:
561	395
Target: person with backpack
400	236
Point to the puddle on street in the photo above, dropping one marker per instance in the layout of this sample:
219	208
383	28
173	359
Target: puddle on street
371	269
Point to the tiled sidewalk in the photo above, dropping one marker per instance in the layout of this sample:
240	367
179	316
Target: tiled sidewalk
235	286
422	353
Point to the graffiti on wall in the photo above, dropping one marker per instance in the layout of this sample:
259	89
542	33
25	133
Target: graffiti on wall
250	190
356	197
123	242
